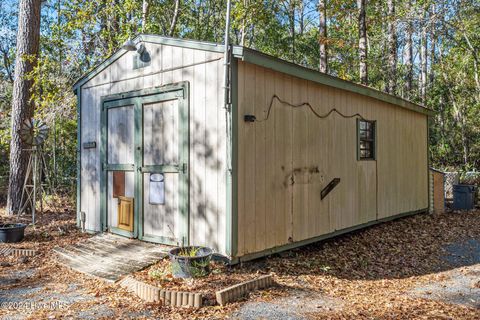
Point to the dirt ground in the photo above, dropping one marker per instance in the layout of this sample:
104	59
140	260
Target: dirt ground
421	267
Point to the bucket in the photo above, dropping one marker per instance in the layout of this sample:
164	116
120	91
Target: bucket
190	262
12	232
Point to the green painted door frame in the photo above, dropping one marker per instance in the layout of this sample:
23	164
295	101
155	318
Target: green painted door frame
177	91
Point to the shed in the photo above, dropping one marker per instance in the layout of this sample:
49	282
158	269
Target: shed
437	191
293	157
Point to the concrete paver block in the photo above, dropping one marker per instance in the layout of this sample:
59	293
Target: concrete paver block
17	252
238	291
151	293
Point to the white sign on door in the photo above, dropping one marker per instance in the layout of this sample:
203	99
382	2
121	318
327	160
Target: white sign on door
157	188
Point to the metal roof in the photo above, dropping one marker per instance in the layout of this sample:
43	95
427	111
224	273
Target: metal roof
267	61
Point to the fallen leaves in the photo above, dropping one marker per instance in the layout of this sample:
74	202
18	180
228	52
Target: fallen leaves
221	276
370	271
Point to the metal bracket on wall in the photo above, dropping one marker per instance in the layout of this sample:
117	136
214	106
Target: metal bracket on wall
330	186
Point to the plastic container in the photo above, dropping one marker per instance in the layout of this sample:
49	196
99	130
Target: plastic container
464	196
190	262
12	232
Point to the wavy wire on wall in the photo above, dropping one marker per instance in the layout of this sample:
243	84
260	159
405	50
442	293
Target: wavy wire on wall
307	104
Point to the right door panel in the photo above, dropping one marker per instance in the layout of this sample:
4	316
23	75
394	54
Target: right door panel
161	169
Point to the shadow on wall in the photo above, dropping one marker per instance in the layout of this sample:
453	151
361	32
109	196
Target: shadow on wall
207	148
202	206
208	143
205	208
90	174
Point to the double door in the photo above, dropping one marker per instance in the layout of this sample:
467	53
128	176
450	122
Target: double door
145	164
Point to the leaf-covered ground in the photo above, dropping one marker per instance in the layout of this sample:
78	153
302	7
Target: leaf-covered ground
395	270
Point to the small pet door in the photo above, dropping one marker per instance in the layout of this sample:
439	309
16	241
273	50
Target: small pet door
157	188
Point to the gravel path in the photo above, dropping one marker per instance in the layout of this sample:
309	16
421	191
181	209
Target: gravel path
298	306
461	285
362	275
21	300
463	253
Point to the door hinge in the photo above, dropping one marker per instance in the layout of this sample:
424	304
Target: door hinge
184	168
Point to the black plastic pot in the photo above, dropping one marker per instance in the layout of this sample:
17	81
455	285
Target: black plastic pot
190	262
12	232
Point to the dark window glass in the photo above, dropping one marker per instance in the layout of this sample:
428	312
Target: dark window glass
118	183
366	140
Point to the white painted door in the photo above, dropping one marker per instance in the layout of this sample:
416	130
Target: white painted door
162	168
145	164
120	168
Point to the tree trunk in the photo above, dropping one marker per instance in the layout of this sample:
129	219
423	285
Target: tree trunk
409	54
301	17
322	13
391	84
433	40
243	30
115	22
463	131
459	115
28	37
291	19
476	59
145	7
176	12
362	42
423	60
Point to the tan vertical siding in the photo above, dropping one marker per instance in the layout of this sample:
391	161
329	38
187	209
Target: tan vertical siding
402	162
249	159
287	160
260	189
271	206
437	192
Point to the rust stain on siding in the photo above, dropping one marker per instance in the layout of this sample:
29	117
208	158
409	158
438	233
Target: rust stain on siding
304	175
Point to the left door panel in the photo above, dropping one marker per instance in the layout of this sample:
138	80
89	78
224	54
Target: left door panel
120	169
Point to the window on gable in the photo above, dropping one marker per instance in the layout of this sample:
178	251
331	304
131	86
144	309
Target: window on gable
366	140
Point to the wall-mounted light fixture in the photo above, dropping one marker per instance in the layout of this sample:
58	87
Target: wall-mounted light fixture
129	45
249	118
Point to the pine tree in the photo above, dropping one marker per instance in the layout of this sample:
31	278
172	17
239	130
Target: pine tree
28	37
